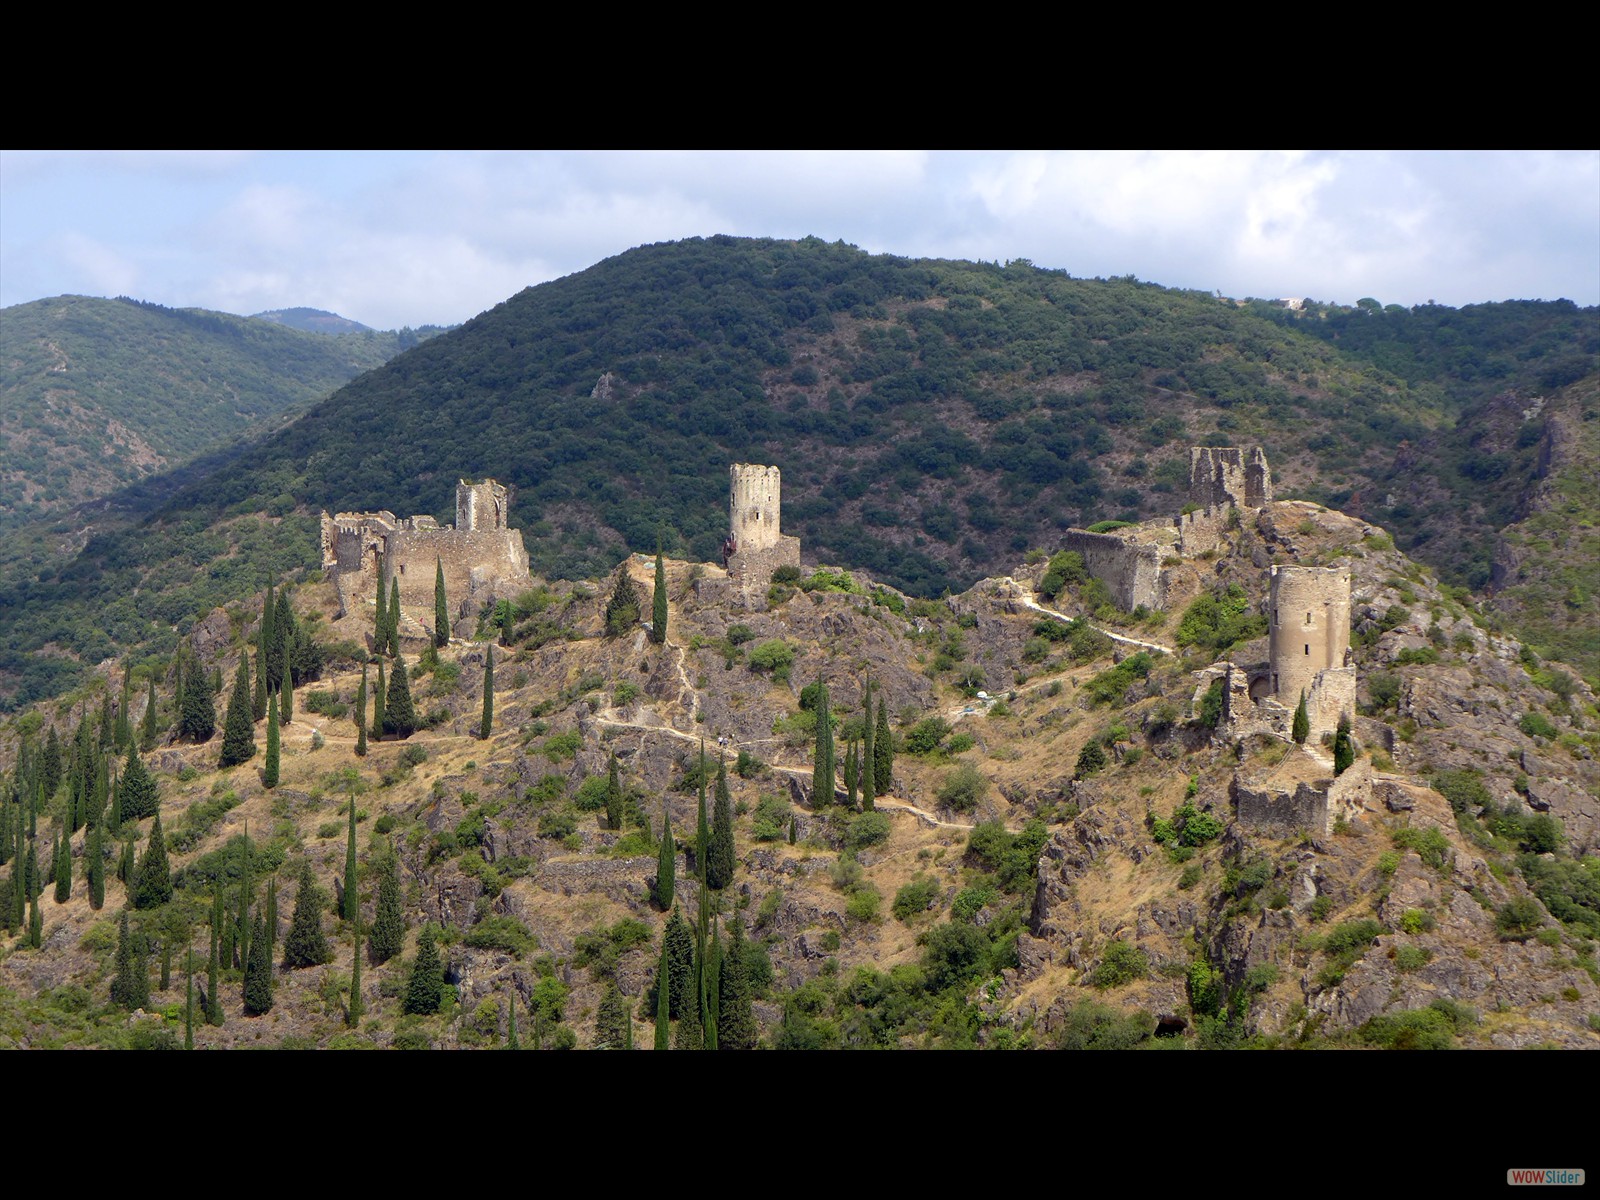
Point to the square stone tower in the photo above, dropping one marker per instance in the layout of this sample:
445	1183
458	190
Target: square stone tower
480	505
1229	477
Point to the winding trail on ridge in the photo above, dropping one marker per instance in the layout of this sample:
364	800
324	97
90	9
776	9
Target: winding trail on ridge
1028	601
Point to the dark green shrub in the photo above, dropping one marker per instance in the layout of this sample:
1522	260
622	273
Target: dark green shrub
915	897
1537	725
1120	963
1093	1026
962	787
1519	919
867	829
502	933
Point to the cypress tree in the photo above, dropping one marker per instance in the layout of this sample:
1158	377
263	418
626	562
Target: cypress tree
352	901
663	991
125	872
851	776
380	622
63	869
613	794
272	914
736	1019
95	867
286	708
425	989
131	987
389	925
102	789
488	697
399	718
283	639
361	715
691	1030
238	728
216	681
1344	750
609	1021
822	789
710	983
267	642
147	725
678	946
441	610
512	1042
702	828
153	879
122	731
1302	722
258	972
31	882
353	1013
622	610
19	895
35	924
258	693
394	617
213	998
666	862
50	763
658	603
137	797
720	861
269	775
188	1001
883	752
198	717
377	703
794	829
306	945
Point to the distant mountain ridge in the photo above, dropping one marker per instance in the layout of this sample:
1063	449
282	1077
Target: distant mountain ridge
312	320
97	394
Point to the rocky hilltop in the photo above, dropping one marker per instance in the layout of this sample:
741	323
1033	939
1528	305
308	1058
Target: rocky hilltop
1098	828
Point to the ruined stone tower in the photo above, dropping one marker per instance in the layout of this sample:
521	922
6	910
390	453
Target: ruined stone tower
756	546
483	559
480	505
1309	642
1229	476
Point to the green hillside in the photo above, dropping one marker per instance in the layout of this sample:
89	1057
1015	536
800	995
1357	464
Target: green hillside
97	394
932	420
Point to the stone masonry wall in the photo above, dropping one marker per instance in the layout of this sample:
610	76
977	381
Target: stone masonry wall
1130	570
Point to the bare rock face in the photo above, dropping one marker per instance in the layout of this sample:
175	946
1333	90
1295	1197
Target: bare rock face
212	635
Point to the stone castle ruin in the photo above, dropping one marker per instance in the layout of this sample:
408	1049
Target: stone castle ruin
1229	476
483	559
755	545
1308	644
1129	561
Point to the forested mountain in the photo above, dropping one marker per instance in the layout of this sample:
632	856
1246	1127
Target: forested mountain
932	420
97	394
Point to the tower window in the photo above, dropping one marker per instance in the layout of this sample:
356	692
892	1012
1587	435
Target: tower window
1308	618
1308	649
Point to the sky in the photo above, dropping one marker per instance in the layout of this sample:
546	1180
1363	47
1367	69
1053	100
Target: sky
396	238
